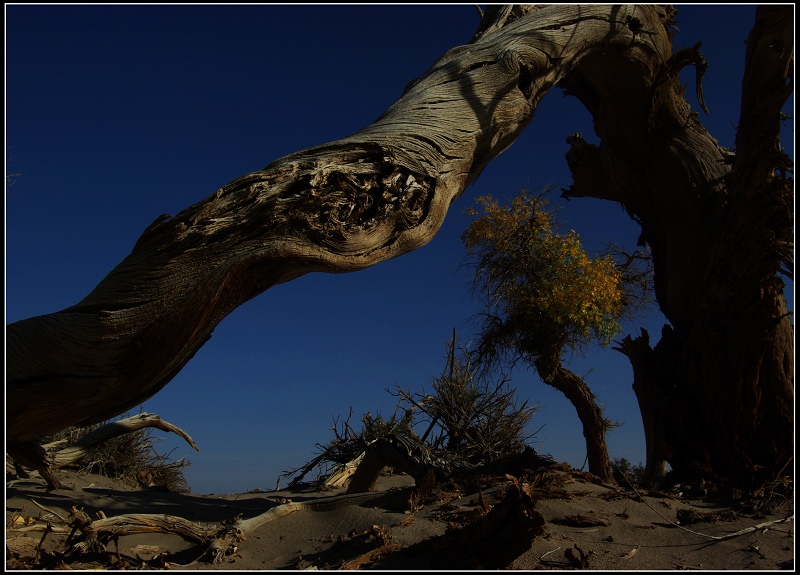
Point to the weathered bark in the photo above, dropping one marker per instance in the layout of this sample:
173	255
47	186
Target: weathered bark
584	401
719	383
385	191
339	207
491	541
381	454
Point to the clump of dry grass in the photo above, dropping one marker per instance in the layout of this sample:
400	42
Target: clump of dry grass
473	418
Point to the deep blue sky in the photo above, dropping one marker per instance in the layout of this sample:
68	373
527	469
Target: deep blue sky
116	114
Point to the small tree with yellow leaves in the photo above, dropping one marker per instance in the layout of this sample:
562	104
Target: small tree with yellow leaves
544	294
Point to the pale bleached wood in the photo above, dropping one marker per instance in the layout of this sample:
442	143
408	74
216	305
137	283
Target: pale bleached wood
80	449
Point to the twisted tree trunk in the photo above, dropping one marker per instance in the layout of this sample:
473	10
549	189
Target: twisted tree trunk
385	190
339	207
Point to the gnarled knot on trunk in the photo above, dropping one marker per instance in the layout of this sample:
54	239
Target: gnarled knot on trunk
352	208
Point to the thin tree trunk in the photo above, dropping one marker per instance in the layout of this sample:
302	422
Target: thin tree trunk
594	424
651	407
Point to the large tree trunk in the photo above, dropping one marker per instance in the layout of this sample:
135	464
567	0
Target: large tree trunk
385	191
719	384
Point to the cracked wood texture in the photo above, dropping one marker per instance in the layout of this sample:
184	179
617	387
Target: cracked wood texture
385	191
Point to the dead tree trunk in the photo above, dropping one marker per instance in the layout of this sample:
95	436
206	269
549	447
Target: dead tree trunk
719	384
654	412
385	190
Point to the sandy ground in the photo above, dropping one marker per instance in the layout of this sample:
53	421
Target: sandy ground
577	524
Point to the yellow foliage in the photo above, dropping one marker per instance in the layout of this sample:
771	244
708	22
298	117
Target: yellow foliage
541	276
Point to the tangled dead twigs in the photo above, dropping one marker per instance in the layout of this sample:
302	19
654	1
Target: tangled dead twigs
713	538
467	422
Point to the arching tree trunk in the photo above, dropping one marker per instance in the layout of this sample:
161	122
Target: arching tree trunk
385	191
339	207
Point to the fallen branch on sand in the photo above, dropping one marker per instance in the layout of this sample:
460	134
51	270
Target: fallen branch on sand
219	540
81	448
712	537
513	521
491	541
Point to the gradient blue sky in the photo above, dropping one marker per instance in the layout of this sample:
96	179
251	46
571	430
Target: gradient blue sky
116	114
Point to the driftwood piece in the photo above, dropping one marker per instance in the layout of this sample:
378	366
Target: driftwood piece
321	504
45	462
492	541
96	533
132	524
342	473
381	454
218	540
81	448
